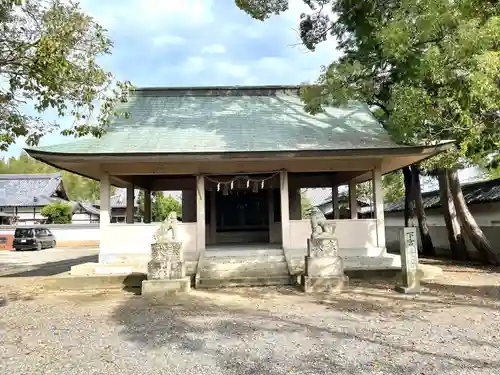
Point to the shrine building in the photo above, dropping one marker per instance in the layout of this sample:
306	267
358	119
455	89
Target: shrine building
240	156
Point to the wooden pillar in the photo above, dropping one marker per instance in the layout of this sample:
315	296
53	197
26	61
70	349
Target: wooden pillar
270	206
335	202
147	206
104	212
200	213
353	199
130	204
213	216
285	210
188	206
270	212
378	198
295	201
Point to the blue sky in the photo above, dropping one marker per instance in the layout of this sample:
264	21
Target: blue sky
200	43
197	43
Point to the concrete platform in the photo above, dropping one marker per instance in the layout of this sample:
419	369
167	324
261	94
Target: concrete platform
130	283
95	269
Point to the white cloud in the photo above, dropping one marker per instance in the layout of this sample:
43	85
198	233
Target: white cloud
233	70
162	40
213	49
193	65
210	54
150	14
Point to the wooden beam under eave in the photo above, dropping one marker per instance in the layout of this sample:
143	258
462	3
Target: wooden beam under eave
321	180
391	164
229	167
172	183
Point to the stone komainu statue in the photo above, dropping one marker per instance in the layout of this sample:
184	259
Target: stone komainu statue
168	225
319	224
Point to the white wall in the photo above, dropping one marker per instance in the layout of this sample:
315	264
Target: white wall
66	234
356	237
487	216
30	215
125	242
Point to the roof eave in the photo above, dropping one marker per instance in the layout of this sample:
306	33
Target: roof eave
391	151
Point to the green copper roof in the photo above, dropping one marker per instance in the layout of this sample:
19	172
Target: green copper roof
234	119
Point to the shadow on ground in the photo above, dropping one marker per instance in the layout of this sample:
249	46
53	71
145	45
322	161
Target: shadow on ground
249	340
460	266
378	295
45	269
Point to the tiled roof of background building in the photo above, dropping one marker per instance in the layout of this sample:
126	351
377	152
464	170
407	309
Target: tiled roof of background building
474	192
27	190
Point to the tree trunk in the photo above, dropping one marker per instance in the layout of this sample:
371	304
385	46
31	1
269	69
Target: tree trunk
410	218
469	224
425	236
455	237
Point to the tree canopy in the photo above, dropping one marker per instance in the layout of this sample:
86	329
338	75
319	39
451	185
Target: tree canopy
430	66
430	71
48	60
161	206
58	213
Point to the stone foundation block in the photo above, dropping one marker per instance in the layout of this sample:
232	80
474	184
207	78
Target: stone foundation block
163	288
166	270
324	266
333	284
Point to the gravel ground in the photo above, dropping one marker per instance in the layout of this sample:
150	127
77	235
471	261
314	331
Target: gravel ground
369	329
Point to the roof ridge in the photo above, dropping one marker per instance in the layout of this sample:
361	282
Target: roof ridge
229	87
29	176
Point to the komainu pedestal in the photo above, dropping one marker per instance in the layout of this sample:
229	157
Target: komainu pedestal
167	269
324	270
166	261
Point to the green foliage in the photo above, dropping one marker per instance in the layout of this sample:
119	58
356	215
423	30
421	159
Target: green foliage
306	205
394	187
493	173
58	213
492	169
140	199
364	191
161	206
78	188
260	9
431	66
49	60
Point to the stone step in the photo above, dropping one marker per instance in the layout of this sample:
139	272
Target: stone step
247	259
243	282
229	274
258	265
245	253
